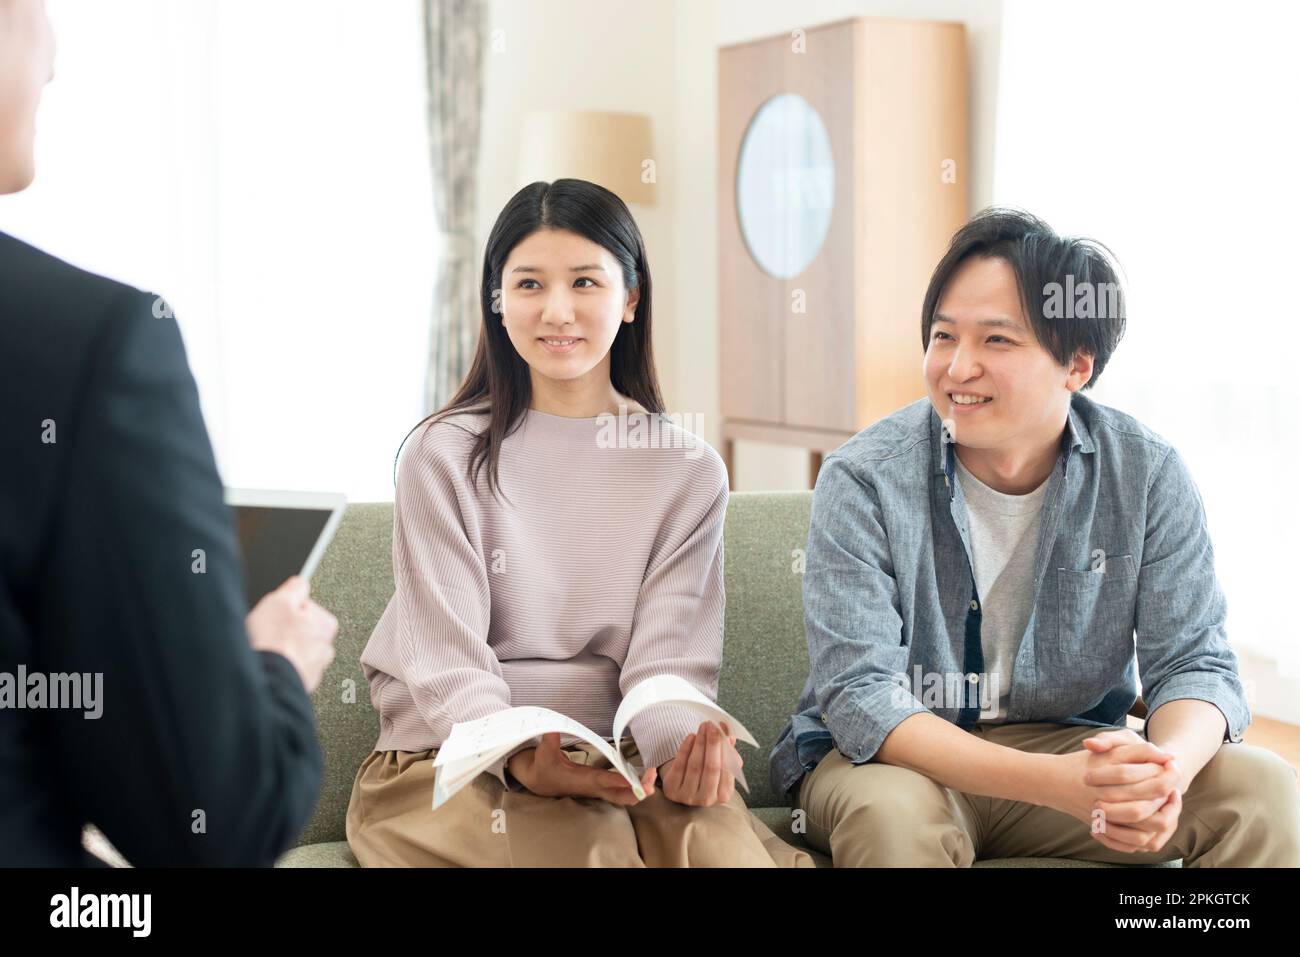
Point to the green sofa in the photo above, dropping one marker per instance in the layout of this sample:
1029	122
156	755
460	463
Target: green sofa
764	665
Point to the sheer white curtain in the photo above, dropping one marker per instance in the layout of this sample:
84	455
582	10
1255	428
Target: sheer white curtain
1168	131
263	164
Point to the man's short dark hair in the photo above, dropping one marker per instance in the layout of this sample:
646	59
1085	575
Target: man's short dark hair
1069	286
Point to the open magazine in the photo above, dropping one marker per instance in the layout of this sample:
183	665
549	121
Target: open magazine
473	746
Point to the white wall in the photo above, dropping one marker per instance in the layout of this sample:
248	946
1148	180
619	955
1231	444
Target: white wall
1172	143
264	166
126	161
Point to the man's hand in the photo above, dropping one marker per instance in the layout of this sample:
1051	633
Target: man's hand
697	775
289	623
1144	824
1123	772
547	771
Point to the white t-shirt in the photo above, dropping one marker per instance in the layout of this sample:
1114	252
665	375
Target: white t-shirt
1003	541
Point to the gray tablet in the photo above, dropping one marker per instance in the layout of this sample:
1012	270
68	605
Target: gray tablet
282	533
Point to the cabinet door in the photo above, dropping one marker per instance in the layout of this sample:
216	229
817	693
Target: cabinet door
750	301
835	206
819	343
786	228
913	186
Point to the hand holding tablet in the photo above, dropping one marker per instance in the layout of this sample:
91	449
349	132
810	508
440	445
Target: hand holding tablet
283	536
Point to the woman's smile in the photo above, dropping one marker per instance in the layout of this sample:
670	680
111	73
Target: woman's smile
560	343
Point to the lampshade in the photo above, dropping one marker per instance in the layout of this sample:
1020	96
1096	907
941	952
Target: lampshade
611	149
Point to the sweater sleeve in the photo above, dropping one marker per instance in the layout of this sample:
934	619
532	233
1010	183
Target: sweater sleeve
678	623
442	599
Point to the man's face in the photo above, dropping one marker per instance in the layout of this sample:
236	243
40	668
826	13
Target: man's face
26	65
982	345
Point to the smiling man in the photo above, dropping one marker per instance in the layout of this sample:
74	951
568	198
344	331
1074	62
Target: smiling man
989	569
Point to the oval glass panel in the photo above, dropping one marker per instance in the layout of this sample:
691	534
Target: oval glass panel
785	185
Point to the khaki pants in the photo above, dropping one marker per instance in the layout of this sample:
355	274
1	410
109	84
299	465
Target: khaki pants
1241	810
390	823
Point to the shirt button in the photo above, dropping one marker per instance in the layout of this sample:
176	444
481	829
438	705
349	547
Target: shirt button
974	605
823	717
973	678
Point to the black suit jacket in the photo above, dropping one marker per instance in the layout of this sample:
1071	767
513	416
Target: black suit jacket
205	751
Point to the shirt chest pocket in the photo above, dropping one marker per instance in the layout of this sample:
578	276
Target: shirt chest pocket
1095	610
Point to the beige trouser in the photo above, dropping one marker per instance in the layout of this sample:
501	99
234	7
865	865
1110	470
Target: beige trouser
390	823
1241	810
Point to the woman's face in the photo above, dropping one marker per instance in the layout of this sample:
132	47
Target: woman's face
562	302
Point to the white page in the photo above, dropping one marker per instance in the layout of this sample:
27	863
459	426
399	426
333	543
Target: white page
450	778
505	728
473	746
675	690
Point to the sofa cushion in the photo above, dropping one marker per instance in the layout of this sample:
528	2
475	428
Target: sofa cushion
765	656
354	581
325	854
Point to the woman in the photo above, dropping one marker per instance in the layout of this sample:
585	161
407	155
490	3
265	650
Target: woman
542	558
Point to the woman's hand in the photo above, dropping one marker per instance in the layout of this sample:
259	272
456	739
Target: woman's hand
697	774
547	771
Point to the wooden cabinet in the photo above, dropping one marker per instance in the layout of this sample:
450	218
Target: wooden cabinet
842	176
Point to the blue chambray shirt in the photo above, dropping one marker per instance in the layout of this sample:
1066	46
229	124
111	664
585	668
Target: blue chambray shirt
888	586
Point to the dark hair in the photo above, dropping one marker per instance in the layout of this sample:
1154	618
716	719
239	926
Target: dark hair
498	380
1048	268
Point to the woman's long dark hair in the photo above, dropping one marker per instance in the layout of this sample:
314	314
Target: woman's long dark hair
498	380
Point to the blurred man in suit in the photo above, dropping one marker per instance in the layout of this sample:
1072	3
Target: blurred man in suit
134	692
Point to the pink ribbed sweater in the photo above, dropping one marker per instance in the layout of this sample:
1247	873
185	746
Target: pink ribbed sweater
598	567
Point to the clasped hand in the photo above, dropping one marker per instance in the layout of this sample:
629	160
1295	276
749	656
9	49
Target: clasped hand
1134	784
